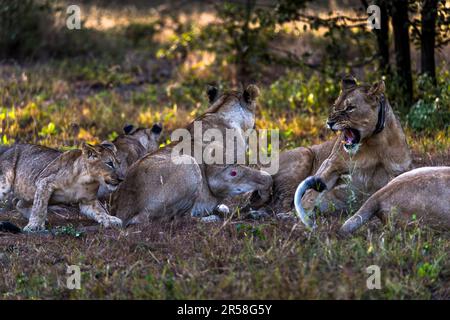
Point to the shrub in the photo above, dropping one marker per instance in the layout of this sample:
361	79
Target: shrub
432	111
24	25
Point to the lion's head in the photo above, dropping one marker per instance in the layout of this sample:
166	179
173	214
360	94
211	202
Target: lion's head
358	112
234	105
147	137
102	164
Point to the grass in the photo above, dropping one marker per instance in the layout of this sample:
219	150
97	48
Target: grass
189	260
62	102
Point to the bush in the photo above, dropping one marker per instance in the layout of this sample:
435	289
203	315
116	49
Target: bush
432	111
426	116
24	25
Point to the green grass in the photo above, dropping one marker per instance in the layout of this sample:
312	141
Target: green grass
190	260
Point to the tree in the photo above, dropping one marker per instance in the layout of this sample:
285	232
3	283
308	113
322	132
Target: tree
428	38
383	36
400	24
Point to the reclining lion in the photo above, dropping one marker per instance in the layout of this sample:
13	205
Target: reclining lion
40	176
422	192
370	150
168	184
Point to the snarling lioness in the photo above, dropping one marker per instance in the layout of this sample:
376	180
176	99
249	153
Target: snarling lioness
40	176
169	184
369	151
423	193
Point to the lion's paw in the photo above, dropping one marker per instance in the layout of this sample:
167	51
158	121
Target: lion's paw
211	219
34	228
112	221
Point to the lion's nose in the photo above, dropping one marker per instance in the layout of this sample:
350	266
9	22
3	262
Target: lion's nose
330	124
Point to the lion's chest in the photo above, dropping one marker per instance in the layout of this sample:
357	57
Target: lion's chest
368	179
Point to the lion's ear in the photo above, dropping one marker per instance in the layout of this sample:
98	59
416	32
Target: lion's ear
157	128
109	145
212	93
128	128
251	93
348	82
377	88
89	151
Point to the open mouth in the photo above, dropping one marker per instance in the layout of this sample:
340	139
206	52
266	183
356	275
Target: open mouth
351	138
111	184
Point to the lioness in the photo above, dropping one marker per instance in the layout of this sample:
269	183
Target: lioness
370	150
159	184
136	142
423	192
132	145
40	176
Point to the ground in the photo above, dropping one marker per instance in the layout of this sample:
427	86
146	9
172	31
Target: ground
159	74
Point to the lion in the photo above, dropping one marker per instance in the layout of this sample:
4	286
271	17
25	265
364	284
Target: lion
167	183
133	144
40	176
369	151
162	186
136	142
422	194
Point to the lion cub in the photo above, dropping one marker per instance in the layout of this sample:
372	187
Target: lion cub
40	176
132	145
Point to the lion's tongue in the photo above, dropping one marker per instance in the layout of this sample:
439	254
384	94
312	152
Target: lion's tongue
348	136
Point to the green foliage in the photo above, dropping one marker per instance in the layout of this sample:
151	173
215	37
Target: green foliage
301	93
24	26
68	230
427	270
432	111
251	230
249	30
428	116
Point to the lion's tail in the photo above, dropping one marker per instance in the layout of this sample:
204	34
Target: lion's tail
6	226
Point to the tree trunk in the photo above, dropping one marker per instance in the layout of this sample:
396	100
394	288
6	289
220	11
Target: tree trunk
428	38
243	65
382	35
400	25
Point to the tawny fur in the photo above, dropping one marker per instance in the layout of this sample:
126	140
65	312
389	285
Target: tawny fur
132	145
423	193
156	186
40	176
380	157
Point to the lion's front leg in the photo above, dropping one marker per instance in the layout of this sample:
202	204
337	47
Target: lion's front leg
44	190
95	210
334	201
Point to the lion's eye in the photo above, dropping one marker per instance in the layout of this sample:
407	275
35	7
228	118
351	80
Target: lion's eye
350	108
110	164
